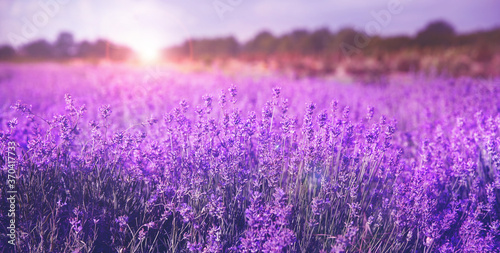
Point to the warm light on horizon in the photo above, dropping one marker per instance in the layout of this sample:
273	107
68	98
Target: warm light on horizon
148	54
145	44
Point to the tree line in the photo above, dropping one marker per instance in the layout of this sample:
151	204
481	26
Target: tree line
325	43
321	43
65	47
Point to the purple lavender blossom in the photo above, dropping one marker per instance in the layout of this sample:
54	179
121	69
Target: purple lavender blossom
424	177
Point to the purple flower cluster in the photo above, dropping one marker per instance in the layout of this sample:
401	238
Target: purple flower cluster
240	165
267	224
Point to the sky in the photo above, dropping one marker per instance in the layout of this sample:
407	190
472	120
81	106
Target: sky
150	25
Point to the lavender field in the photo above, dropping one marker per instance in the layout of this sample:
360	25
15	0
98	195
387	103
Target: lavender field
112	159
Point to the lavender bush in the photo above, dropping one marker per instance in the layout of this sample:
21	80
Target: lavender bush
109	161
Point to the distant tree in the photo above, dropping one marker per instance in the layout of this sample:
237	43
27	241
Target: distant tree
392	44
264	42
300	41
205	48
64	46
7	52
119	53
40	49
178	52
84	49
218	47
437	33
319	41
345	42
283	44
100	48
231	46
346	35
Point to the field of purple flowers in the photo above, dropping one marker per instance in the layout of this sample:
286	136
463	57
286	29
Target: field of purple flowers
111	159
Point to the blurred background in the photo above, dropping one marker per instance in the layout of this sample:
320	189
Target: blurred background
353	40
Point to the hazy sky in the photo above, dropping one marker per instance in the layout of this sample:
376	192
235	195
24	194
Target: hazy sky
153	24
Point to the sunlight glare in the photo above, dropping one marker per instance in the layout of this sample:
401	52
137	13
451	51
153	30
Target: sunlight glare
148	54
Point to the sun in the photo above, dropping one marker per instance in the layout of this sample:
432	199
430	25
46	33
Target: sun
148	50
148	54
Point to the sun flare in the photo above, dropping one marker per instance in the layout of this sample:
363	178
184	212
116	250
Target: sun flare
148	54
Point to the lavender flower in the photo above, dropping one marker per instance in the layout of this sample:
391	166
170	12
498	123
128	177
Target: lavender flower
105	111
422	178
